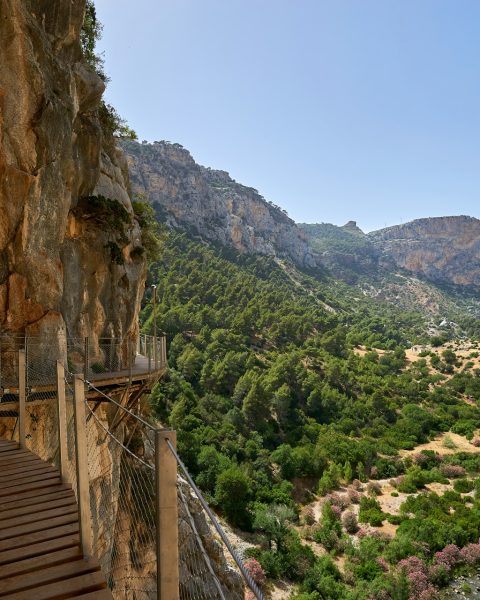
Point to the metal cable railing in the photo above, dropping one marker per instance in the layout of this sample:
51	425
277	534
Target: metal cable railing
218	528
97	359
122	501
140	511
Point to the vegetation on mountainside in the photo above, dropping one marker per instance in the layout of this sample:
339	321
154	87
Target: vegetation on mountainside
273	408
325	237
111	122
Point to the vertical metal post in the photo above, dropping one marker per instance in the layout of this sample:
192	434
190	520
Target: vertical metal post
130	358
166	516
112	352
62	421
83	488
87	358
155	350
149	352
22	397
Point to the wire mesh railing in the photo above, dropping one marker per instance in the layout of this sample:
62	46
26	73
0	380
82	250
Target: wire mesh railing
97	359
204	555
140	512
122	500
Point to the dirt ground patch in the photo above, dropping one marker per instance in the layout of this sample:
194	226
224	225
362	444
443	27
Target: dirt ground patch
437	445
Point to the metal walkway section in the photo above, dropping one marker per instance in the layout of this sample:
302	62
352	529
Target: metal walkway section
40	553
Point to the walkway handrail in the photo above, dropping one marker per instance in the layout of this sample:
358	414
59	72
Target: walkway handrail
132	489
248	578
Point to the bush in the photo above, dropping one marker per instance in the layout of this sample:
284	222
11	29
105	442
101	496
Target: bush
354	496
463	486
256	571
308	516
232	493
452	471
350	522
370	512
374	489
396	519
449	443
414	479
326	536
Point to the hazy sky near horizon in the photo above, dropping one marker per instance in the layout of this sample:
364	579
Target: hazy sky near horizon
336	110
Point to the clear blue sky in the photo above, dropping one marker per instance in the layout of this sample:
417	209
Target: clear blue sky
334	109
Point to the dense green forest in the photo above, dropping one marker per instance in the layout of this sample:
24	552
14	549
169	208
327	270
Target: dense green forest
275	408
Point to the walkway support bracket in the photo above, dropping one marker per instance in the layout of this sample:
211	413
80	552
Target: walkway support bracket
22	398
168	586
83	488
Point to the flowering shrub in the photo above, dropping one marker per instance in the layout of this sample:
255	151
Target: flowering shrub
412	564
354	496
452	471
427	459
470	554
357	485
420	587
362	533
476	442
448	557
256	571
339	500
350	522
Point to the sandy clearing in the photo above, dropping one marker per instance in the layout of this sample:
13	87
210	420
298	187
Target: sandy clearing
460	441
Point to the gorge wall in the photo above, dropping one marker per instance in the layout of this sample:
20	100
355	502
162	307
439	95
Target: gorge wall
441	249
210	204
56	268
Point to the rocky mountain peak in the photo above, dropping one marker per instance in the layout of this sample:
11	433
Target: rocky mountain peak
210	204
352	227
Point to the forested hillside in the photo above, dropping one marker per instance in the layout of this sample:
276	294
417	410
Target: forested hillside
293	424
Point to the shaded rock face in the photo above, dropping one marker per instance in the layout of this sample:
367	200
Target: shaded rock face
211	204
442	249
56	269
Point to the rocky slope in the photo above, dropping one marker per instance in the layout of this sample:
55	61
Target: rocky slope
56	270
441	249
211	204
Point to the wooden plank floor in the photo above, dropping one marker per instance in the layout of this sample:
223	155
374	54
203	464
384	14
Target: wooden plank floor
40	555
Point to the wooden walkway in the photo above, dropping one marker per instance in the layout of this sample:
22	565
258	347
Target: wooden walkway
40	554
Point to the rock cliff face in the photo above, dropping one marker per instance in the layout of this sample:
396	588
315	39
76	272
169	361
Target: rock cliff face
211	204
56	268
442	249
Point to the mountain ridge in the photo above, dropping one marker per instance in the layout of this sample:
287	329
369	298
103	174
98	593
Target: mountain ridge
431	263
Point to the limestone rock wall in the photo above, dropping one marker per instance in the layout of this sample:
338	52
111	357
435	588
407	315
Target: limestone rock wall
211	204
441	249
56	268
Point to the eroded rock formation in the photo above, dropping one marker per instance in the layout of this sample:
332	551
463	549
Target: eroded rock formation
56	268
441	249
211	204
